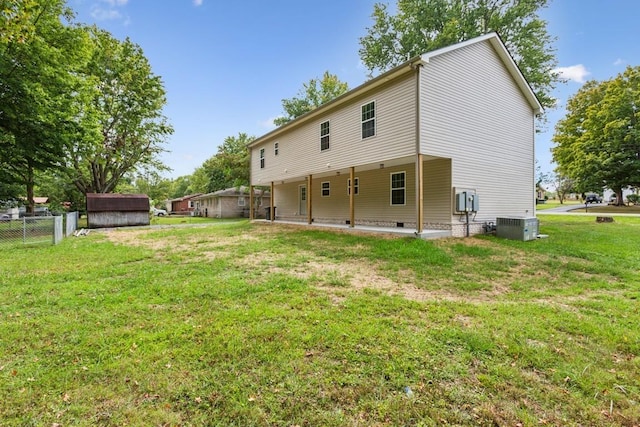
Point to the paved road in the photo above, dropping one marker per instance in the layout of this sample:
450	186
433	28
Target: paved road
568	210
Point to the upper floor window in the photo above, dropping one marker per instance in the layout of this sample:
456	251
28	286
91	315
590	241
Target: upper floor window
324	136
398	188
276	148
369	119
326	189
262	158
356	186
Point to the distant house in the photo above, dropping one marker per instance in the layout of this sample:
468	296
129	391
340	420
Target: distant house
182	205
231	203
442	144
117	210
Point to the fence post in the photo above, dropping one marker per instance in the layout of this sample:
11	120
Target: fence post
57	229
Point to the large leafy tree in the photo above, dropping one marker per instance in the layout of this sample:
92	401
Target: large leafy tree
40	63
120	121
421	26
313	94
597	144
229	167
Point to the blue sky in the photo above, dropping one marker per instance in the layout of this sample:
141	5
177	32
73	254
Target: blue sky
227	64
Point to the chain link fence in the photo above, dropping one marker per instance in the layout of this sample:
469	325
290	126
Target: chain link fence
30	231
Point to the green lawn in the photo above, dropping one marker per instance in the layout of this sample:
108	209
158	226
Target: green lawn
555	203
241	324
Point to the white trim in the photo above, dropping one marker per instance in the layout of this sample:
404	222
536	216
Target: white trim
356	185
374	118
276	148
328	188
328	135
403	188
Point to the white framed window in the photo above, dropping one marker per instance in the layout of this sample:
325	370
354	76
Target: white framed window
326	189
262	158
356	186
324	135
276	148
398	189
368	119
240	201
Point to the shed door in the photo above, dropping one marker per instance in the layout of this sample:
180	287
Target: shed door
303	199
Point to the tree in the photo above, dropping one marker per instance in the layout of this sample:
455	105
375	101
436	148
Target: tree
421	26
312	95
40	59
120	121
229	167
597	143
562	186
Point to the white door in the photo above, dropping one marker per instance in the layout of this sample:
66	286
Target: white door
302	190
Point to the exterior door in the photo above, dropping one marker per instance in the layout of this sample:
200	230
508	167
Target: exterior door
302	199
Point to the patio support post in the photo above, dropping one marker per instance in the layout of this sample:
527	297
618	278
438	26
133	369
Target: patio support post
419	193
251	202
352	197
309	199
271	201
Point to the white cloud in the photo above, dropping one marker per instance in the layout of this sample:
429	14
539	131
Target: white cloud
114	3
100	14
197	3
268	123
576	73
620	61
106	10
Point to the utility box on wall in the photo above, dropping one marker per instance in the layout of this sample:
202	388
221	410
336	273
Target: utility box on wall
517	228
467	201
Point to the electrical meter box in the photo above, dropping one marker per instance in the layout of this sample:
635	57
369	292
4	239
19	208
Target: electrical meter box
467	201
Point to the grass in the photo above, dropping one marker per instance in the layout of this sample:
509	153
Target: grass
241	324
554	203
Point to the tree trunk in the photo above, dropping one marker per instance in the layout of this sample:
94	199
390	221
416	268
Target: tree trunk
30	184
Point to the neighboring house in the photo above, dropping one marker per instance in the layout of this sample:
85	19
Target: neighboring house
117	210
410	147
182	205
541	193
232	203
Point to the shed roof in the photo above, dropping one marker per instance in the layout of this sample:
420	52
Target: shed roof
112	202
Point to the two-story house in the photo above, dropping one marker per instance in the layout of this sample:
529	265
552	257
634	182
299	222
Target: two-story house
442	142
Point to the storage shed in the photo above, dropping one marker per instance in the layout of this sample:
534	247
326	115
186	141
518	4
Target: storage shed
117	210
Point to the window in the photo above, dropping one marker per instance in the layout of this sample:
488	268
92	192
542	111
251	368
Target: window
240	201
324	136
262	158
325	189
356	186
369	120
398	188
276	147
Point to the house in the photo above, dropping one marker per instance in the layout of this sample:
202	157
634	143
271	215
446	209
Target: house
182	205
442	142
232	203
117	210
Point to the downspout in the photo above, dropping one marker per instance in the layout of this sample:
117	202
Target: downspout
419	158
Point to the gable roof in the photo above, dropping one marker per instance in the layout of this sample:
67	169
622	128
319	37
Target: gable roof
183	198
408	66
231	192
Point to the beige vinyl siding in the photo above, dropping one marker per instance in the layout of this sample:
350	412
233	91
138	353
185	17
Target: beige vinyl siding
437	190
299	149
372	204
473	112
286	201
